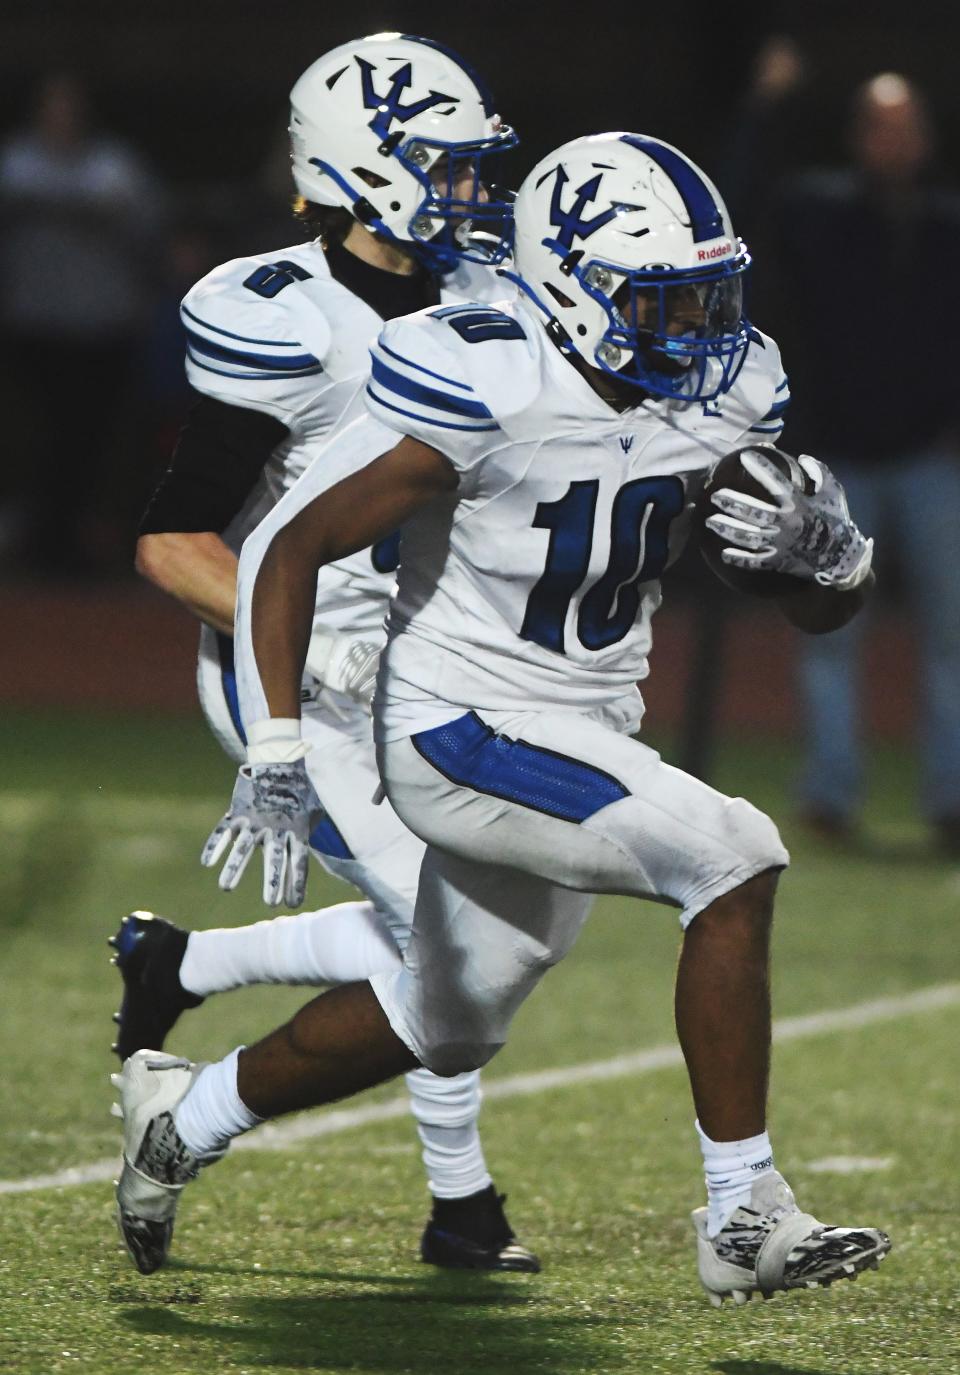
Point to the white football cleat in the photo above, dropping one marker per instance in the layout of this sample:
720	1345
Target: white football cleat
156	1163
770	1244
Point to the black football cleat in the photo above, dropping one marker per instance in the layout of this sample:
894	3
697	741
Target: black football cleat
149	953
473	1234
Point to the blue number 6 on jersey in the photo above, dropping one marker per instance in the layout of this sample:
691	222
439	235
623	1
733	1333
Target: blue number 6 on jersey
269	280
639	528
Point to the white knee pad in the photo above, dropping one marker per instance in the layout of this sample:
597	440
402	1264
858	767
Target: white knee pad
765	846
447	1042
750	845
454	1045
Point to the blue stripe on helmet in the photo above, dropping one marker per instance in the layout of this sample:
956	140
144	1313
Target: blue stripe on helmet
486	95
706	217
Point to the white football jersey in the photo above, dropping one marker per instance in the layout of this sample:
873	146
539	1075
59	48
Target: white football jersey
277	333
534	584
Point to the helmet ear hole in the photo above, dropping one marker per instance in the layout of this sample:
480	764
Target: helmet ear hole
558	296
372	179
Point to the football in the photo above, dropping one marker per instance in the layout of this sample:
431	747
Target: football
730	473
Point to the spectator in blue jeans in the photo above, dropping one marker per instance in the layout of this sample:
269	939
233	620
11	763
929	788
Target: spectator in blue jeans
869	310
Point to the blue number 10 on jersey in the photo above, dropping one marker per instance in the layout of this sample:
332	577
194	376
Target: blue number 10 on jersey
639	526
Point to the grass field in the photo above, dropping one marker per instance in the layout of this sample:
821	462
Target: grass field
304	1258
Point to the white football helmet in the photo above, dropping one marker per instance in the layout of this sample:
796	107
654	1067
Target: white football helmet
628	250
370	121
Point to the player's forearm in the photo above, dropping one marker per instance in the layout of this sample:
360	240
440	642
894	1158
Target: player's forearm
279	564
818	610
281	619
316	524
196	568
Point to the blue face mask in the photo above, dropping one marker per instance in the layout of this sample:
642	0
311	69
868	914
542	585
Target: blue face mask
684	328
476	221
477	218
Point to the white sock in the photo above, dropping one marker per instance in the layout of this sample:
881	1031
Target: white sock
342	944
446	1111
211	1113
730	1168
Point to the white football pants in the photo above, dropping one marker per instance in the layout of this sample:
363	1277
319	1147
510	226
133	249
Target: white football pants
524	814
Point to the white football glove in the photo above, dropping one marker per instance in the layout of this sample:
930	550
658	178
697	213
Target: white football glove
344	665
274	806
809	537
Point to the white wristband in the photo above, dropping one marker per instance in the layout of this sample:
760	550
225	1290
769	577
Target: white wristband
276	740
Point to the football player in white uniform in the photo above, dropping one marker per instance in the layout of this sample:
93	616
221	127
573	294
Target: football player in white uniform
390	137
542	459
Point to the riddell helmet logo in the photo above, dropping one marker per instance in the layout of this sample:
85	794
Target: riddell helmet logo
719	250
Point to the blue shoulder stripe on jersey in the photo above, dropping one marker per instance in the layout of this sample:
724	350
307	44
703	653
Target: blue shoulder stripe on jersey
471	753
243	358
418	415
426	396
409	363
465	308
252	376
776	409
706	219
244	339
784	383
776	428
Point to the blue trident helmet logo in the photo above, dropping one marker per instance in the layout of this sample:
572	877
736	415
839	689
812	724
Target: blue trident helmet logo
389	107
569	223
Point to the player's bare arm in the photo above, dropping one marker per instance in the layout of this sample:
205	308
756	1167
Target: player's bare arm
365	507
195	567
218	460
274	804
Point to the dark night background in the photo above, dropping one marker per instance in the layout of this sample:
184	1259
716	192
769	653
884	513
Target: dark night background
198	90
200	85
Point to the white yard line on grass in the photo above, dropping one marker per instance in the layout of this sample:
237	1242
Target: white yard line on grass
309	1126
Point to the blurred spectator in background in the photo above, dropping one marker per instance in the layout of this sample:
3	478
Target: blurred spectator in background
868	262
163	394
78	225
770	134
